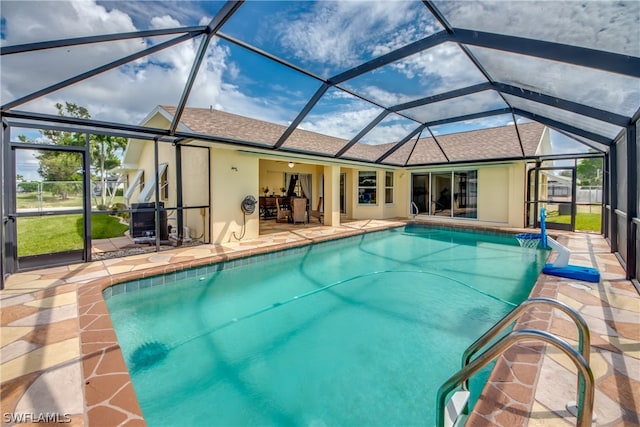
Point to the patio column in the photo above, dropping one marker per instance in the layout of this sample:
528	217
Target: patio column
332	195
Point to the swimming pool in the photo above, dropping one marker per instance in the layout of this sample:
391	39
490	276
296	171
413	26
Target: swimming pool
360	331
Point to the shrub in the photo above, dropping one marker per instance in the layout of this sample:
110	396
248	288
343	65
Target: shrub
117	207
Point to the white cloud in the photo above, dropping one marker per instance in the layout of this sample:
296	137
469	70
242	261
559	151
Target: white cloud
126	94
383	96
477	102
444	67
608	91
386	133
31	21
600	25
164	21
343	34
343	123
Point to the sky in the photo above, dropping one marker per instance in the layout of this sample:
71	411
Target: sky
325	38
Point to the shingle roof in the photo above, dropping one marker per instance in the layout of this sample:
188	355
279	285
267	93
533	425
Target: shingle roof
483	144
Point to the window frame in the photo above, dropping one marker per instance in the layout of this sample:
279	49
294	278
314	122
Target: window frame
389	188
365	191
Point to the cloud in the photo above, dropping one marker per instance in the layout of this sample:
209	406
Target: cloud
608	91
142	12
126	94
437	70
340	35
164	21
481	101
442	68
392	130
341	123
602	25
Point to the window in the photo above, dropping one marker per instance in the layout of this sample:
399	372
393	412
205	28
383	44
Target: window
367	188
465	202
449	194
164	185
388	187
441	194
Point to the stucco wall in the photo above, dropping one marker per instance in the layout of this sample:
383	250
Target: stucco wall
493	194
195	191
233	176
501	194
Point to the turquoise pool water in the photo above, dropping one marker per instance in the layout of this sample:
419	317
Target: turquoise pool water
357	332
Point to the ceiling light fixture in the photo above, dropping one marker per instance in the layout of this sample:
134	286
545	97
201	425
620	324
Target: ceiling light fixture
291	164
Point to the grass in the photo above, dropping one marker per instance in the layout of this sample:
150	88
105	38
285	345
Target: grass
31	201
584	221
50	234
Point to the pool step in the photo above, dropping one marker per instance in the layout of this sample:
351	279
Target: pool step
455	406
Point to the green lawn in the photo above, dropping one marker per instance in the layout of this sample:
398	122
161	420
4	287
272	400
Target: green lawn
32	201
584	221
48	234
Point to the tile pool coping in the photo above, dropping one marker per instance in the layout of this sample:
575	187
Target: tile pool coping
108	392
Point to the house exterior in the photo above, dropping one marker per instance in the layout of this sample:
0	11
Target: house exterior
475	176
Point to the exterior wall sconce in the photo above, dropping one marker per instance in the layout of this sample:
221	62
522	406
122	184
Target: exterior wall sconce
291	164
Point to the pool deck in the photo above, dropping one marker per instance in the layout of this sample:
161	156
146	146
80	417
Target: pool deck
60	357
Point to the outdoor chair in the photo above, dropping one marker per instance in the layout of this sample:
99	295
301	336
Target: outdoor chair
299	209
282	213
317	213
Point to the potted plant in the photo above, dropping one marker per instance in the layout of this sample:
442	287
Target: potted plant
266	191
284	191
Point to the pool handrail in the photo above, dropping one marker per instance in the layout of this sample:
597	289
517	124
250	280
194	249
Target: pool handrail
585	394
411	206
513	315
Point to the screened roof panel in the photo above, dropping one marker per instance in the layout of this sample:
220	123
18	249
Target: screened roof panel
20	77
564	143
588	86
340	115
330	37
401	154
242	82
531	134
481	101
164	14
586	144
425	151
437	70
73	19
207	121
602	25
366	152
474	124
573	119
495	143
261	97
129	93
392	129
311	142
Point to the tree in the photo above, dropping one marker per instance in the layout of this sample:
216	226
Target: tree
63	166
105	152
589	171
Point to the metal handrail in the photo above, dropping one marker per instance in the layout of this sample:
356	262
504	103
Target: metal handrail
585	394
411	206
583	333
583	329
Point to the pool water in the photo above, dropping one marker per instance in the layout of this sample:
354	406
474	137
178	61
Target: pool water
357	332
